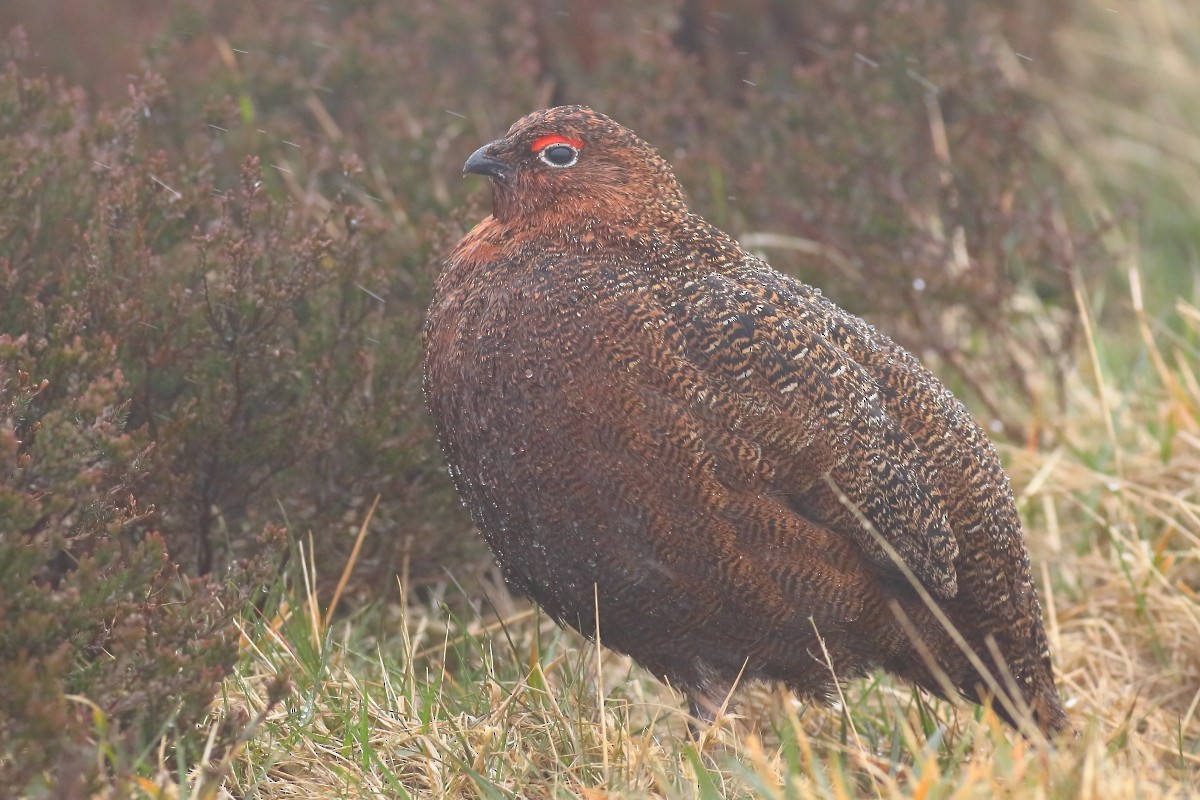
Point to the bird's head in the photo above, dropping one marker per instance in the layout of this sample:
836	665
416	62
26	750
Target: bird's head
572	162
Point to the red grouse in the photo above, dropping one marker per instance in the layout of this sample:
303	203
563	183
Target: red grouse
654	429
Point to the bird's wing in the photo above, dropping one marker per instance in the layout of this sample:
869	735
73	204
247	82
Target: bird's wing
783	405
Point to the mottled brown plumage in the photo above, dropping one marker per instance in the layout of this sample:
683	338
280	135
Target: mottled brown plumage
639	412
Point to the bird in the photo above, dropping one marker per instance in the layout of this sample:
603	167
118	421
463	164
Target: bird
706	464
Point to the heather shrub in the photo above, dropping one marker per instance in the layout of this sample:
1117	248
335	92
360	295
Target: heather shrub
100	634
269	343
169	351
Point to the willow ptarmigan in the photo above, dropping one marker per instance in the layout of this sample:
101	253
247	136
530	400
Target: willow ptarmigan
738	479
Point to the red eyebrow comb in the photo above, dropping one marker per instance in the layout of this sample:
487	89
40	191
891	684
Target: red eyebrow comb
542	142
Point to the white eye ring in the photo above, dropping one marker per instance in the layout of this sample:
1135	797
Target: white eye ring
559	155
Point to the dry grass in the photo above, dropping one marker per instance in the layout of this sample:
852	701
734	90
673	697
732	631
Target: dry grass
415	701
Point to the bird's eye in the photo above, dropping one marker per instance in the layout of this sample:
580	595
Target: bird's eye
559	155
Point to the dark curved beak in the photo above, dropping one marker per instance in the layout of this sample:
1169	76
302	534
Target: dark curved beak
482	162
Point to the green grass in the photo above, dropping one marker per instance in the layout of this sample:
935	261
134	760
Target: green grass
414	701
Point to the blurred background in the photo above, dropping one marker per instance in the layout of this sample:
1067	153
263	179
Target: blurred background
220	222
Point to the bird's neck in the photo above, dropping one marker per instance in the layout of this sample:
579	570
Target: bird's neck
651	239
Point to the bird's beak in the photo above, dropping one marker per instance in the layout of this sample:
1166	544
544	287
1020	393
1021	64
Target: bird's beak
482	162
